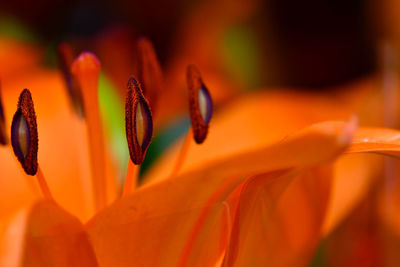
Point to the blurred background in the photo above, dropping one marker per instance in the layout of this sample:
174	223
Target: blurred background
239	46
310	43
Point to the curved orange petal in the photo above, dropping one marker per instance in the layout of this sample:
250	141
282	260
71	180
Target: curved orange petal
275	222
162	216
376	140
353	177
46	235
285	230
354	174
259	119
360	240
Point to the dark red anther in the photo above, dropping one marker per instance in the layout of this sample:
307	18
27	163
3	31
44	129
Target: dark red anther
24	135
200	104
138	122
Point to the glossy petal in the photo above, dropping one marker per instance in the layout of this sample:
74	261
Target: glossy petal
376	140
352	179
46	235
247	124
355	174
365	243
163	216
276	222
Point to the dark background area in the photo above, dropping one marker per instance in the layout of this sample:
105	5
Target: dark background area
319	42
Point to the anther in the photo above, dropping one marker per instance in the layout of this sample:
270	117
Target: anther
138	122
200	104
24	135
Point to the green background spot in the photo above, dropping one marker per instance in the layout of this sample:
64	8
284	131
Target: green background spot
241	52
13	28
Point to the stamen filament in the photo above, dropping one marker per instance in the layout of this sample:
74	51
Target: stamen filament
43	184
30	183
131	178
87	68
182	153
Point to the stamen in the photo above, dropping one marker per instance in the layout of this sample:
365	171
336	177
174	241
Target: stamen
87	68
3	133
150	73
200	104
131	178
24	136
139	131
24	140
66	58
43	185
138	122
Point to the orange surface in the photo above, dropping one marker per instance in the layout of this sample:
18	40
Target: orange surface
263	189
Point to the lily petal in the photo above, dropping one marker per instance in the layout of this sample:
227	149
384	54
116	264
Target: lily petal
247	124
48	236
355	173
166	213
276	223
376	140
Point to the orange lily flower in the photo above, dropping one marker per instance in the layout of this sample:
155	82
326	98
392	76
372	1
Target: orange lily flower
249	196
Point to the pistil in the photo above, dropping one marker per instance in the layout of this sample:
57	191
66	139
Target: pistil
87	68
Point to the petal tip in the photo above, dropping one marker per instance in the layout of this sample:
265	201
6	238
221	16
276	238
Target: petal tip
347	133
86	62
